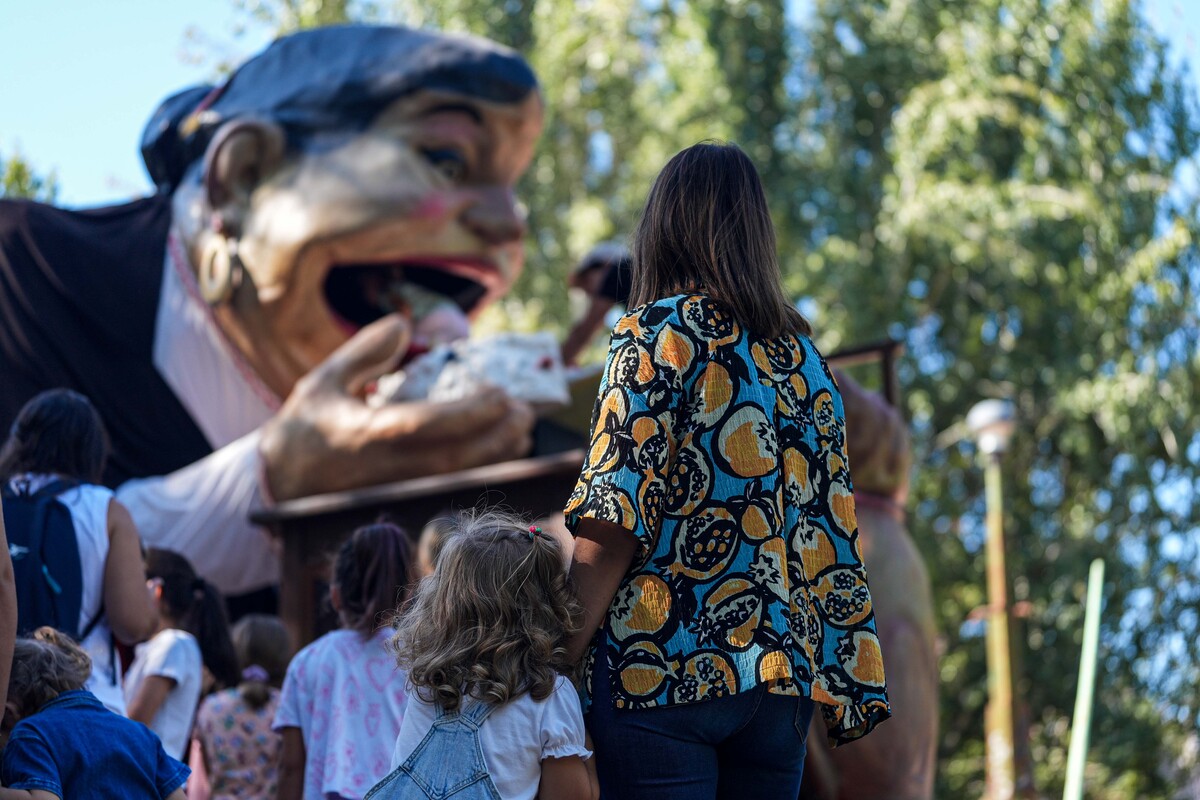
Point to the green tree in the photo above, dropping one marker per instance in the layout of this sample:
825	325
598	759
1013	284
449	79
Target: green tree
18	179
1005	200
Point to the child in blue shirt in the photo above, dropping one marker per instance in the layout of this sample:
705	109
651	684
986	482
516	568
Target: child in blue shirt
63	743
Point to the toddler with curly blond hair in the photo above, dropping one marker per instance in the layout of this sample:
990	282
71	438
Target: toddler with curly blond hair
491	713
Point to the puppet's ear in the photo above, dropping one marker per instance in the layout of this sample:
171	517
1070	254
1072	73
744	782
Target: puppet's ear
242	154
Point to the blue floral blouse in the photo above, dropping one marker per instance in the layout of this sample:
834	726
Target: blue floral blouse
724	454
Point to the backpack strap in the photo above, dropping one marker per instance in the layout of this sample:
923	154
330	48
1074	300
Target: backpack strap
92	623
55	487
112	647
50	491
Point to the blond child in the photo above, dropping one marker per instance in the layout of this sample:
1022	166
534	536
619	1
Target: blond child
491	713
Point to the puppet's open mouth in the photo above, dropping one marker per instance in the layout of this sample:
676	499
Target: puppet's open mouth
359	294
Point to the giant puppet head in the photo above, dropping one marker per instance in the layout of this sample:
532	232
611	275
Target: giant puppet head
343	174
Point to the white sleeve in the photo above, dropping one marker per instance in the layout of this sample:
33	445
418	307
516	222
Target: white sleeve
562	724
171	656
202	510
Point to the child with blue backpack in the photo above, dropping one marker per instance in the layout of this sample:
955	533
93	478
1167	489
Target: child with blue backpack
491	714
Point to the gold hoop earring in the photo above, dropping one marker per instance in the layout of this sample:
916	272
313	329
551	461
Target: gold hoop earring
220	270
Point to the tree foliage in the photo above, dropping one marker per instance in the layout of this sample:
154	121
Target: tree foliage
1018	221
18	179
996	183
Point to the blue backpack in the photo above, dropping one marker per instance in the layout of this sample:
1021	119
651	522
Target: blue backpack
45	559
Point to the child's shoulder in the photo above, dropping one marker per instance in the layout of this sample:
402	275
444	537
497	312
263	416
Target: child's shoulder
563	693
78	711
340	644
172	637
222	701
563	684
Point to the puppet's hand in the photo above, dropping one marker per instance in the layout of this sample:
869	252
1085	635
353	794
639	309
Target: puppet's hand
326	438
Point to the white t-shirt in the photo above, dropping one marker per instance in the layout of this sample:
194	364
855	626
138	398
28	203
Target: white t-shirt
347	697
172	654
515	738
88	505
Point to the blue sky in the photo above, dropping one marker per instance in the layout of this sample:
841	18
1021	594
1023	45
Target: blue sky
79	78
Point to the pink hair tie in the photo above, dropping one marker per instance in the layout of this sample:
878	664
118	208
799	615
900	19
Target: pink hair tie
534	530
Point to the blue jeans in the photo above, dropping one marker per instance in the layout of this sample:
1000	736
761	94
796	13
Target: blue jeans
749	746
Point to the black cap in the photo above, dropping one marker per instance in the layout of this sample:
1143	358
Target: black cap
330	78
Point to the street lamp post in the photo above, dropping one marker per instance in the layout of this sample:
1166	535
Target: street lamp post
992	423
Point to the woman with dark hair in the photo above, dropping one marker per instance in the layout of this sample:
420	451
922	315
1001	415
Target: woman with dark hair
166	681
58	444
716	551
343	701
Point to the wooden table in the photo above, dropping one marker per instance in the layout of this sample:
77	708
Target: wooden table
312	528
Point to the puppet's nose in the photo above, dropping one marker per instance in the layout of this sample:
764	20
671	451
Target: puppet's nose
495	216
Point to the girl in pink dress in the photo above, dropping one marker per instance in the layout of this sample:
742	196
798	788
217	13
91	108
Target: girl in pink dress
343	698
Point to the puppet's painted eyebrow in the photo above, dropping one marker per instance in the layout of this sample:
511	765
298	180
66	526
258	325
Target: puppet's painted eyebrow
464	108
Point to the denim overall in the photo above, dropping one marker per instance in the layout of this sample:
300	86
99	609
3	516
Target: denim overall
447	763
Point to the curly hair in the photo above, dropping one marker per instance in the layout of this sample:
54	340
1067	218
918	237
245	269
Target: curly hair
492	621
45	665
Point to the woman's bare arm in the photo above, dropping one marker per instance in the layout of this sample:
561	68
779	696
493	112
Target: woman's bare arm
8	609
127	604
568	779
603	553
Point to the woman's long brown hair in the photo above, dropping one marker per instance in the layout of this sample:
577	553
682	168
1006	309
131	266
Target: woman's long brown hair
706	228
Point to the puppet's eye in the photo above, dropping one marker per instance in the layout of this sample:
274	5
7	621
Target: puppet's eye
450	163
